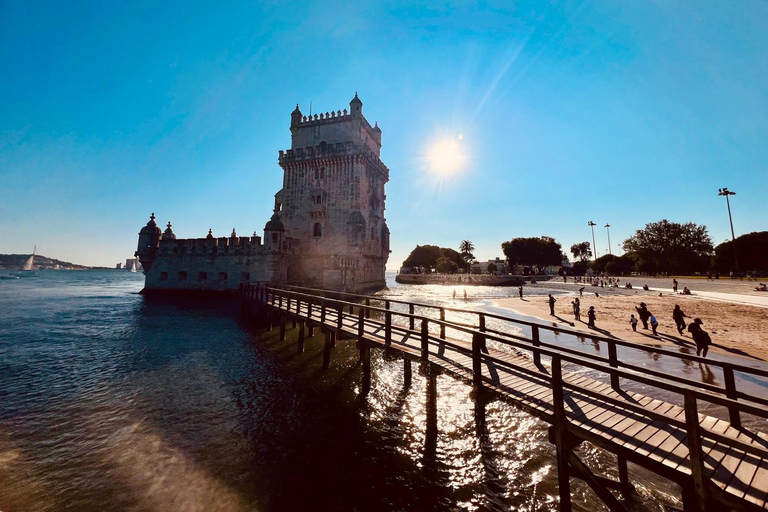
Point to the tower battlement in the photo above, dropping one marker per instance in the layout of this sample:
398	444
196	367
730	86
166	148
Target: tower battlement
335	127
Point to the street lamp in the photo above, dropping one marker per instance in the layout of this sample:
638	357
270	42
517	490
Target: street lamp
725	192
607	226
594	246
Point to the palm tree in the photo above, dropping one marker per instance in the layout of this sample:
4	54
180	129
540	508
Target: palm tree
465	249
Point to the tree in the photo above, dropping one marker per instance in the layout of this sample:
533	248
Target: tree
671	247
427	255
543	251
465	249
446	266
582	251
423	256
752	253
492	268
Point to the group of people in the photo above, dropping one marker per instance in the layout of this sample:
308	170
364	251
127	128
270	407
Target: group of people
700	337
576	305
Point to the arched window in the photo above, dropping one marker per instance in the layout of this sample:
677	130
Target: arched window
317	230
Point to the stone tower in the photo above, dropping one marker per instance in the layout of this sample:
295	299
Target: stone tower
332	201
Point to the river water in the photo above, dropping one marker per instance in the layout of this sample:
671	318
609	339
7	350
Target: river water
111	401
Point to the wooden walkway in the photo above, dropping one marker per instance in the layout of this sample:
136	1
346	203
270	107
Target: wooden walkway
718	463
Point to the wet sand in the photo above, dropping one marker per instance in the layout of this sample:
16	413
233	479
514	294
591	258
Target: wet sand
736	329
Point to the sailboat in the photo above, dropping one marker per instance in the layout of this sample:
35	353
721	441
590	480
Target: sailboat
133	265
30	262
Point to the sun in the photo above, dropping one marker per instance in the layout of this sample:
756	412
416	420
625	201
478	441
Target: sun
446	156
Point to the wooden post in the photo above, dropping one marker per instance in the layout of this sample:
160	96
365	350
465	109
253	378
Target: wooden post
535	340
431	433
333	339
563	476
477	366
730	392
367	308
365	357
327	350
301	336
407	373
411	323
339	321
614	362
425	339
442	325
360	325
282	327
388	327
623	472
695	453
481	328
322	312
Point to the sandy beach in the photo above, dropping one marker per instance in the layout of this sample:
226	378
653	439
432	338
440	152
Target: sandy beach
736	329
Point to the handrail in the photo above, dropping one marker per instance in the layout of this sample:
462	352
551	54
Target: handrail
546	349
555	329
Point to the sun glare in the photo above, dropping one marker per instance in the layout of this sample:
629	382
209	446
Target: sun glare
446	156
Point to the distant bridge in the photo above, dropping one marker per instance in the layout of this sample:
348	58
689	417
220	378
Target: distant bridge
718	463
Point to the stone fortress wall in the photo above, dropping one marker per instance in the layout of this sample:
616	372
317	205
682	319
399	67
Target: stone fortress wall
328	228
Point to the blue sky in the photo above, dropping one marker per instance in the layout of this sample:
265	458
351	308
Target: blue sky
617	112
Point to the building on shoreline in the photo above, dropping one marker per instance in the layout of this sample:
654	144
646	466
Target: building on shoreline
328	228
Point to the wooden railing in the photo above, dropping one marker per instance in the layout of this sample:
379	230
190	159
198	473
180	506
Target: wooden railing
319	305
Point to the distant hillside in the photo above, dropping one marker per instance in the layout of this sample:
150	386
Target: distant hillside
16	261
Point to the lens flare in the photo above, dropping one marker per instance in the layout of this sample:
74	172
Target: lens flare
446	156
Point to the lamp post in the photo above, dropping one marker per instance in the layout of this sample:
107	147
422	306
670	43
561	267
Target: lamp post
607	228
594	246
725	192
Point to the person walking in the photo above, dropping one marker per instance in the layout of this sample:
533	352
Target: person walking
633	322
677	316
654	323
520	291
700	337
592	317
552	301
576	309
643	313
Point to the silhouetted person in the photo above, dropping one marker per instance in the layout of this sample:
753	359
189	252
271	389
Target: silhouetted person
643	313
674	285
581	291
552	301
576	309
700	337
633	322
591	316
654	323
677	316
520	290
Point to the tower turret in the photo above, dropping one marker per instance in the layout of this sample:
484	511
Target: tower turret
273	233
168	233
296	116
356	106
149	240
